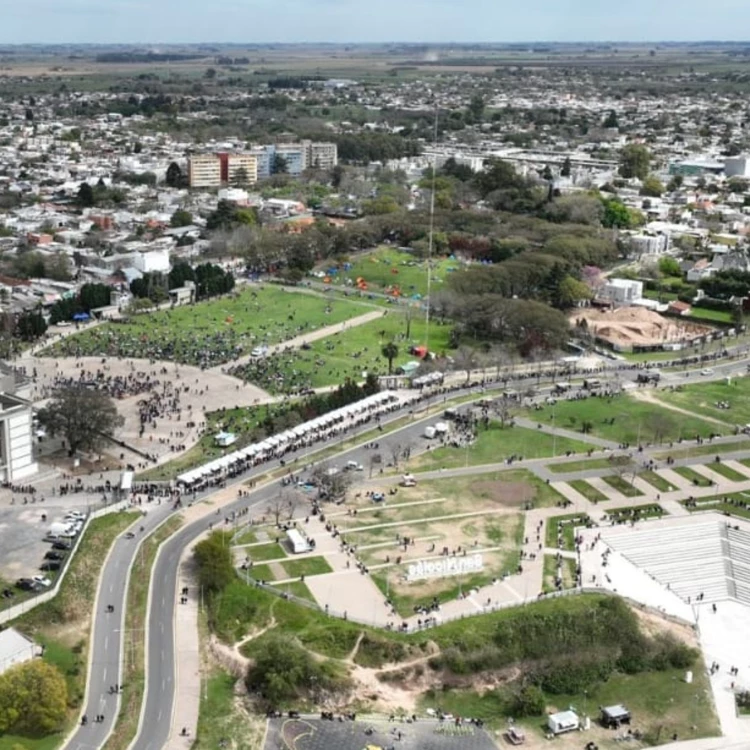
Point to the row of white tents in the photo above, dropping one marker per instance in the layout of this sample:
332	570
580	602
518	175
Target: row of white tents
298	437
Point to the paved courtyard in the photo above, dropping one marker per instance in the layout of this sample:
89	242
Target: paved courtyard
315	734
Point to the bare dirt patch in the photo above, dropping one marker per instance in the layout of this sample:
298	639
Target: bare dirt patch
505	494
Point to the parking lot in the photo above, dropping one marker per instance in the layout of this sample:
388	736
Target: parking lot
316	734
25	527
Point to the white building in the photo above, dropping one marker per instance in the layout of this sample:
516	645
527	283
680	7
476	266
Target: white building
622	291
152	261
737	166
16	649
16	446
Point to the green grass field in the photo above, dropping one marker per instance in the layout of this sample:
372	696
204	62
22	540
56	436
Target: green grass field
496	444
704	398
265	552
213	332
567	524
389	269
308	566
709	449
735	508
623	486
727	472
624	419
587	464
657	480
590	492
637	512
693	476
347	354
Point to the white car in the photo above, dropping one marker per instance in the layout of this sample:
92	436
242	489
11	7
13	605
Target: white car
76	515
707	371
259	351
41	580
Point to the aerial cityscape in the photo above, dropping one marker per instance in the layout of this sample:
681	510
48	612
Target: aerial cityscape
360	394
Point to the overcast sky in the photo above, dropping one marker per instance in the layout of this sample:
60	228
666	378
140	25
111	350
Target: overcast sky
154	21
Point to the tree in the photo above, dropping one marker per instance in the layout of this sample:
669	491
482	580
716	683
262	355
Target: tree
181	218
390	352
566	168
675	183
332	484
652	187
210	74
241	177
476	107
504	409
337	174
283	506
84	417
634	161
621	465
85	196
466	358
33	699
279	165
617	214
669	266
30	325
92	296
610	121
174	177
213	558
571	291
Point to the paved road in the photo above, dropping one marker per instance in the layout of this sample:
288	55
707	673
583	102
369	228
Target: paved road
107	638
158	703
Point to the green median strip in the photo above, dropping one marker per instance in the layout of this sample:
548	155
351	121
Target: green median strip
134	640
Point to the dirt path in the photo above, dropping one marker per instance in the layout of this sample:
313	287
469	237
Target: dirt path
308	338
649	398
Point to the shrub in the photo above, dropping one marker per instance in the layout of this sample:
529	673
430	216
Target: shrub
528	701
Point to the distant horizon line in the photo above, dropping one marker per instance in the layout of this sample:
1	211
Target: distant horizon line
530	42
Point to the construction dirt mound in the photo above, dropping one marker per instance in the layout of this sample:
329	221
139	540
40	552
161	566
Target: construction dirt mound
627	327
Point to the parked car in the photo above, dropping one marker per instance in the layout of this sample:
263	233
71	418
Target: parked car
8	594
61	544
26	584
42	581
54	555
75	516
50	565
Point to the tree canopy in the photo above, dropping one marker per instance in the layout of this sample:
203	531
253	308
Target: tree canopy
83	416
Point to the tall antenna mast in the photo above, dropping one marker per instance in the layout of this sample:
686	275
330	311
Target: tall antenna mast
432	228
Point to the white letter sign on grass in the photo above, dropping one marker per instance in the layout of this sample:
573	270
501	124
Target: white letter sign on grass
446	566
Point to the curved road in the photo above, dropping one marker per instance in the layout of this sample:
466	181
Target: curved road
156	713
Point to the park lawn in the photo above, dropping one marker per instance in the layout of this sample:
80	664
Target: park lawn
686	450
693	476
622	486
550	573
215	331
706	504
265	552
490	486
307	566
587	464
261	572
222	719
628	512
245	536
346	354
657	480
495	444
663	702
727	472
386	269
590	492
569	522
298	589
712	316
703	398
624	419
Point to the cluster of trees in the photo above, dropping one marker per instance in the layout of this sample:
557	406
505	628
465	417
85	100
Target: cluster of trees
33	699
363	148
284	671
89	297
99	195
30	264
210	281
726	284
569	649
229	215
16	328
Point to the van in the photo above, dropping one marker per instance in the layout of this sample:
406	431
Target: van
429	432
407	480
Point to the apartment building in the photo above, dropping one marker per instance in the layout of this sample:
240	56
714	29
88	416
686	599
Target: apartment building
321	155
236	164
204	170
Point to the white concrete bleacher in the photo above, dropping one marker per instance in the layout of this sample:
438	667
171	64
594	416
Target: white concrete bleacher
707	554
